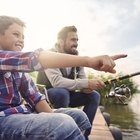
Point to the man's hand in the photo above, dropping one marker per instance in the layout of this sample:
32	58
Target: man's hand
105	63
93	85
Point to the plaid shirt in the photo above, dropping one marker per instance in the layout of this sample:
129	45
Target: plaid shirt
14	86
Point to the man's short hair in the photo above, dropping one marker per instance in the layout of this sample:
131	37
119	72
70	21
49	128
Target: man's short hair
62	34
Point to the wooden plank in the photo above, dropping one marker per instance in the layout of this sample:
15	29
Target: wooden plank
100	129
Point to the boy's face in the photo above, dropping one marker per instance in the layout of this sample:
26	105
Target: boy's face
13	38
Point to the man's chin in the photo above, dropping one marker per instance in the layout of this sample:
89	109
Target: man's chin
75	52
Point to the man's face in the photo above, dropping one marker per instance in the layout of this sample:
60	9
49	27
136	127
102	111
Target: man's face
12	39
71	43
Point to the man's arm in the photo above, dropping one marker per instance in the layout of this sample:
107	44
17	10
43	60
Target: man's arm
56	79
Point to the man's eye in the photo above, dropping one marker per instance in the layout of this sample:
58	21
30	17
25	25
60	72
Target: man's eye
74	39
16	34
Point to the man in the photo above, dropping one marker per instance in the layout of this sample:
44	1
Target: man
68	87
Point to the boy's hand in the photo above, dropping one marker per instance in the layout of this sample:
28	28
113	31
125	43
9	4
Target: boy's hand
105	63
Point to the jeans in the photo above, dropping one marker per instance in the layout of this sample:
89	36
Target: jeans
61	97
63	124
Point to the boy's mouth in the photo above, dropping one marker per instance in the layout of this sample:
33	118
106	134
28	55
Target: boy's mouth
19	47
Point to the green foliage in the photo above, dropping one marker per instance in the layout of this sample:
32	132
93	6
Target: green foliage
34	75
90	75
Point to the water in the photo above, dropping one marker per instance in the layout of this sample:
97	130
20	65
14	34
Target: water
126	117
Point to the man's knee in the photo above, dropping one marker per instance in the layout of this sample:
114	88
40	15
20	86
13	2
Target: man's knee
64	94
95	97
58	92
59	97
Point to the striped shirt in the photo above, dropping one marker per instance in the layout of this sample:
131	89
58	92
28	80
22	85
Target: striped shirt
16	86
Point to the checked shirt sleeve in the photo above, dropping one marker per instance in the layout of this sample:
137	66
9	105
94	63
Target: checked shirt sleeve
20	61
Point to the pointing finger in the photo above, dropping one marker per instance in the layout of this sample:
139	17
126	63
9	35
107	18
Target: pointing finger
115	57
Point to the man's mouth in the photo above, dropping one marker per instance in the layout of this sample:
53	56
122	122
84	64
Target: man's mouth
74	50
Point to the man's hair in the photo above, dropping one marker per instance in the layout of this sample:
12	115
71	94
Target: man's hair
62	34
6	21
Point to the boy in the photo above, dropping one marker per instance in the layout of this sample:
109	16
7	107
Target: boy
36	120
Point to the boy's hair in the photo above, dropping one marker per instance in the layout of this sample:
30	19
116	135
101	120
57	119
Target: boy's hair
6	21
62	34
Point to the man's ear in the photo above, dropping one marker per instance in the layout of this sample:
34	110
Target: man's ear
61	42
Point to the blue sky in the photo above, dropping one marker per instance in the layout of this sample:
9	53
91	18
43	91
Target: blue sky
104	26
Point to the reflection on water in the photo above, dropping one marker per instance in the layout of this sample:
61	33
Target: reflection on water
126	117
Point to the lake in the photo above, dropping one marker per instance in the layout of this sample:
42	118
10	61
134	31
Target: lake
126	117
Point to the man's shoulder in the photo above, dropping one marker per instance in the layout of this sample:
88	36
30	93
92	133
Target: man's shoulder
54	48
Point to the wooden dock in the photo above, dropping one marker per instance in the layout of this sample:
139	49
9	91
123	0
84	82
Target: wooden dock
100	129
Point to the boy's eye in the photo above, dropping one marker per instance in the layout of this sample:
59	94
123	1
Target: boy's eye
18	35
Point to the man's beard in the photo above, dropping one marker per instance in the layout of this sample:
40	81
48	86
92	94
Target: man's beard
72	51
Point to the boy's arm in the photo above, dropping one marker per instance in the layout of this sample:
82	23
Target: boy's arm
56	60
20	61
43	106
